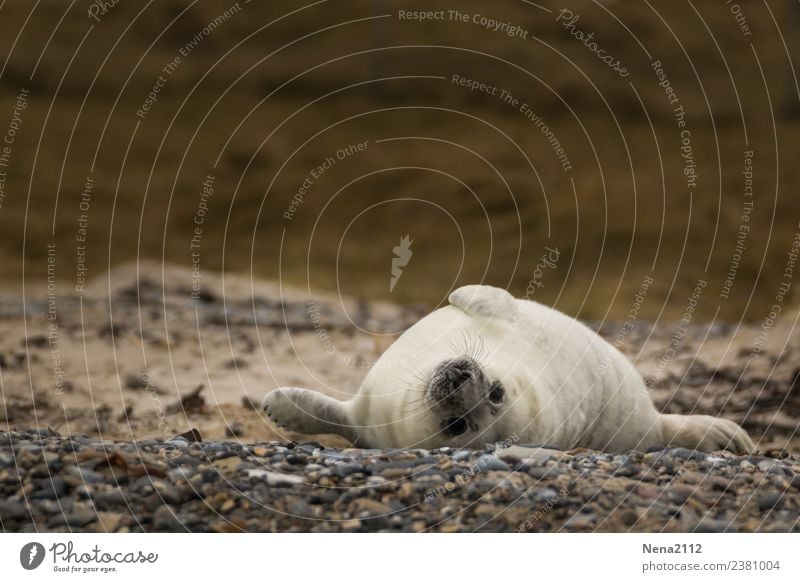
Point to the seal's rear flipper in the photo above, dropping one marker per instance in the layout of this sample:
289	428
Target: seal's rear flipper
308	412
704	433
485	301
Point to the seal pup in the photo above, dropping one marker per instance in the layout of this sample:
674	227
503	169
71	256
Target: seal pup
489	366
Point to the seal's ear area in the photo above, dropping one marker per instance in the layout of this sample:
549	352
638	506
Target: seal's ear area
485	301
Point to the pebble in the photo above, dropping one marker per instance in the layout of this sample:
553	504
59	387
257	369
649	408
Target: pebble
178	442
12	510
274	478
491	463
165	520
687	454
627	470
83	474
545	495
369	506
770	466
541	473
531	455
393	473
77	519
712	526
345	469
770	500
177	486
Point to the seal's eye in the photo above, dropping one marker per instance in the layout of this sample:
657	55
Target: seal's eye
496	392
455	426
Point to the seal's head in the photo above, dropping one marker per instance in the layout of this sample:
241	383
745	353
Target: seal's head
464	399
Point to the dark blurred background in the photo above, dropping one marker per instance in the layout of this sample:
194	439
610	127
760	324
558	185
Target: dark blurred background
265	92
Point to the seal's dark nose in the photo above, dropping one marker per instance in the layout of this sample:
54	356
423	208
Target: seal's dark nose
457	375
457	385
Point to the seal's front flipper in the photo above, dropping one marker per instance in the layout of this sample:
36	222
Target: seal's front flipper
308	412
485	301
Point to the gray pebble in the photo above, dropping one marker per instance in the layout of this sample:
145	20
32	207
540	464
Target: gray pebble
687	454
712	526
76	519
178	442
165	520
628	470
50	488
345	469
545	495
84	474
491	463
12	510
770	500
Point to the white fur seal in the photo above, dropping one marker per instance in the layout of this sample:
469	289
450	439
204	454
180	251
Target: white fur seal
489	366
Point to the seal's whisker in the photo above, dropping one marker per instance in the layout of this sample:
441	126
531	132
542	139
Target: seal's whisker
419	408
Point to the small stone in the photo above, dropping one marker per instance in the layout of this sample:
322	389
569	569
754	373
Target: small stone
770	466
274	478
646	491
771	500
178	442
235	429
393	473
687	454
83	474
112	497
6	460
369	506
35	341
299	507
11	510
192	435
345	469
583	521
180	474
545	495
538	455
168	493
680	493
235	363
627	470
711	526
77	519
165	520
186	460
107	521
492	463
541	473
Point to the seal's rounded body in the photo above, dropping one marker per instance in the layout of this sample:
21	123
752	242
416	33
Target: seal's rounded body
489	367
